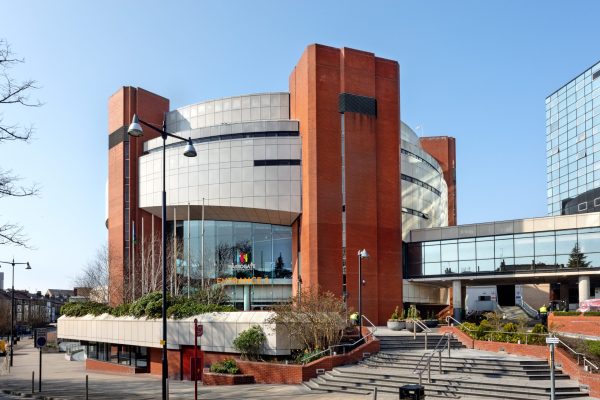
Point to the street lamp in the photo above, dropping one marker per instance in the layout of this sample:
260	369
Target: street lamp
135	130
12	303
361	254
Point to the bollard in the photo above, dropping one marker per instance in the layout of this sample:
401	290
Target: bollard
374	393
86	387
32	382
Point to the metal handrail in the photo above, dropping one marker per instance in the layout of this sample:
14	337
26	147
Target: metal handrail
527	308
527	334
330	348
430	355
578	354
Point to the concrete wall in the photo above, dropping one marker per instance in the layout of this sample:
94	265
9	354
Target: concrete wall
220	330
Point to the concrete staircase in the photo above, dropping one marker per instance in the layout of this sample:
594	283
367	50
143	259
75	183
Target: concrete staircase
516	313
406	342
468	374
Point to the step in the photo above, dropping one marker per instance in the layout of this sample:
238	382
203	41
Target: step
528	369
454	378
513	389
437	390
403	357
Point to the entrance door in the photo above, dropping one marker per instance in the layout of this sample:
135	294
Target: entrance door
506	295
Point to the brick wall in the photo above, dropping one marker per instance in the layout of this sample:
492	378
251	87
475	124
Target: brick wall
212	379
562	358
103	366
265	372
576	324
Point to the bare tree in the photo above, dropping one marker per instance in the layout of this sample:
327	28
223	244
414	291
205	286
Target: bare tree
13	92
316	322
148	269
95	275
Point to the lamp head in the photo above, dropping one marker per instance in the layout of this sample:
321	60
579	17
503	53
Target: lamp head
363	253
189	151
28	266
135	129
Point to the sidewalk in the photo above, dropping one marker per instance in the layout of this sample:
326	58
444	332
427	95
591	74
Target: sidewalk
62	379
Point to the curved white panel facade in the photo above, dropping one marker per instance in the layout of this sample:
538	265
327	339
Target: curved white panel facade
424	191
247	168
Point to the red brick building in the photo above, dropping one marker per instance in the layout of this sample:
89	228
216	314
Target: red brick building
297	183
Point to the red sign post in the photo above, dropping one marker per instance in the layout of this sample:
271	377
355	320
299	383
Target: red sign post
197	366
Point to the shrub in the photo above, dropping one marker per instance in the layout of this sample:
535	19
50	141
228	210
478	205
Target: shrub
565	313
227	366
593	347
482	332
140	307
591	314
249	342
469	328
537	339
81	309
185	308
121	310
413	313
394	316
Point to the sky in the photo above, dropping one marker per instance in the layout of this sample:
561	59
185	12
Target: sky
476	70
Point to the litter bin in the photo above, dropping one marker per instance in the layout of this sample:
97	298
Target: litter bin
413	392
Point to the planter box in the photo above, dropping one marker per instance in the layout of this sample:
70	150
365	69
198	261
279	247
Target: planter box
410	326
396	325
213	379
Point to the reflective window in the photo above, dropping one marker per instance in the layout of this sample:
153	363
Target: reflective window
485	249
549	250
466	249
523	245
589	241
504	247
432	252
544	245
565	243
449	250
235	250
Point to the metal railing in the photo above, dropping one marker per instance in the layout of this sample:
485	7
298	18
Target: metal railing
330	350
419	369
527	308
580	356
424	328
526	334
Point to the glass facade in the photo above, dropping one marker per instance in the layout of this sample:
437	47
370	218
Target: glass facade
236	249
524	252
573	139
122	354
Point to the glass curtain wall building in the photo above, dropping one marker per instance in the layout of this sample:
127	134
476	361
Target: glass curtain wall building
235	250
573	145
506	254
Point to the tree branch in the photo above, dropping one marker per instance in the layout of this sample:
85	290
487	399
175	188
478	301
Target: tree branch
12	234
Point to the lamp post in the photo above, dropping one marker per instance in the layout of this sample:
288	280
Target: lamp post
361	254
135	130
12	303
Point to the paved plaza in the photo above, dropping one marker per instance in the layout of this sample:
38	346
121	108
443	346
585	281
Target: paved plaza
64	379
